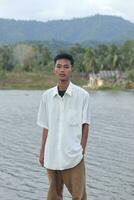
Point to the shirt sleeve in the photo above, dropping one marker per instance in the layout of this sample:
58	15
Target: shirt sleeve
86	110
42	117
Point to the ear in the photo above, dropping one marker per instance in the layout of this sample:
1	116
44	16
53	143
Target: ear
54	71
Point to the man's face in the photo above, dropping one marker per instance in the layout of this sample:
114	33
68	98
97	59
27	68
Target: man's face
63	69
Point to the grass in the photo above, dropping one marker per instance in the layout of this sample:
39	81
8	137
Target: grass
33	80
115	88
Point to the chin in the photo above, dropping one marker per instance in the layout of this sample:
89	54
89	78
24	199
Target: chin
63	79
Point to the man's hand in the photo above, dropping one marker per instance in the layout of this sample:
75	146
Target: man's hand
41	157
44	138
85	128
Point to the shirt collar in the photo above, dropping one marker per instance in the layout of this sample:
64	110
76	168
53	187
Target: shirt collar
68	91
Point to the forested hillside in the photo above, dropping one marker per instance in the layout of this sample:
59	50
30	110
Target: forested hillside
89	30
38	57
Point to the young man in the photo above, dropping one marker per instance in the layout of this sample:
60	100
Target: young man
64	116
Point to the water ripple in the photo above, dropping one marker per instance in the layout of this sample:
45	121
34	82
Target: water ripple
109	158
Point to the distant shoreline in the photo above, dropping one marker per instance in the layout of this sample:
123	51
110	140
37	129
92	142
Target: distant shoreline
45	80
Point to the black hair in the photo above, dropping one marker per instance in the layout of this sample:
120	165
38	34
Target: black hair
64	56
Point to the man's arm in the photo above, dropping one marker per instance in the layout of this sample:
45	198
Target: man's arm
44	138
85	129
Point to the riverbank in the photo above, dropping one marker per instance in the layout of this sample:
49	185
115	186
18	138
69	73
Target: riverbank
33	80
45	80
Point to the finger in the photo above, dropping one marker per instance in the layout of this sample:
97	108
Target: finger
41	162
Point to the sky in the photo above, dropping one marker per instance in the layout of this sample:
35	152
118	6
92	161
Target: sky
46	10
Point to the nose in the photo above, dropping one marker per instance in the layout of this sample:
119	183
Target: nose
62	69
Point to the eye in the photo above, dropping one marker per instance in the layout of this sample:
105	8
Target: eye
58	66
66	66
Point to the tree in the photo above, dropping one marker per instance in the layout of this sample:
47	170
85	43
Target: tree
5	58
78	52
89	61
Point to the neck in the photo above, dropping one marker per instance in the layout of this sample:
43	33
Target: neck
62	85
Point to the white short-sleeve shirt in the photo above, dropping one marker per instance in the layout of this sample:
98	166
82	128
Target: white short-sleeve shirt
63	117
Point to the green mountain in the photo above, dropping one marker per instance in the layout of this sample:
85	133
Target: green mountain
89	30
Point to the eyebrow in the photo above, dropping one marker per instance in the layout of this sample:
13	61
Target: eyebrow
63	65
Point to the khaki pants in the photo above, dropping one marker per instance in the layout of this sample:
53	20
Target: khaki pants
73	178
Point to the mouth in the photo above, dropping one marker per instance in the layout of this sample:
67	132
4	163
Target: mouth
62	75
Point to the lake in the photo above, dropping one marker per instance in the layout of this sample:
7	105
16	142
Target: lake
110	150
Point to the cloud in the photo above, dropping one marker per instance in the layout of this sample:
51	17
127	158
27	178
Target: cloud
44	10
2	2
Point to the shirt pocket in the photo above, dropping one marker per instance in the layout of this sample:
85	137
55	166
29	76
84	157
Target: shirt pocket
72	118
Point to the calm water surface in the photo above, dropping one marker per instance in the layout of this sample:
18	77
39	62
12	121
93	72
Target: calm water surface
110	151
